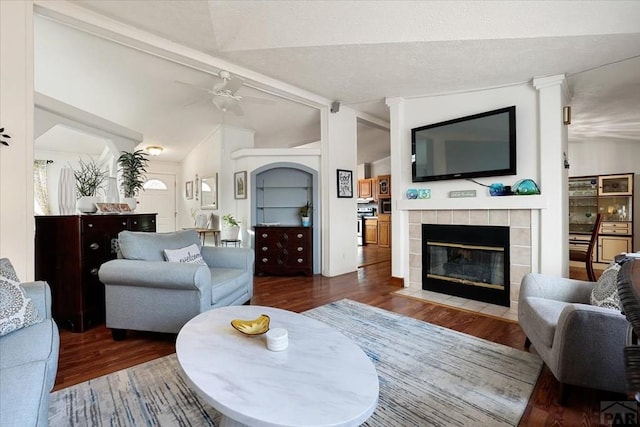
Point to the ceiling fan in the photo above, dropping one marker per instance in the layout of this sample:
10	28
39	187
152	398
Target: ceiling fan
224	94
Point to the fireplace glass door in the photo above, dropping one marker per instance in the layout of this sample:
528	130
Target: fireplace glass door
467	264
467	261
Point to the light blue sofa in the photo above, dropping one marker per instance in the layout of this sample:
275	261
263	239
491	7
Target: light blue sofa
143	292
28	365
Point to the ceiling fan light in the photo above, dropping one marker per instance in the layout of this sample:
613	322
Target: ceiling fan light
154	150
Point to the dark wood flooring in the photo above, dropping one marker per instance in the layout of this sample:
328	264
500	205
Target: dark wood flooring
93	353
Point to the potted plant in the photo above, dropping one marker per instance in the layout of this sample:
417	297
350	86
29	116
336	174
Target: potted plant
230	228
89	177
305	214
132	166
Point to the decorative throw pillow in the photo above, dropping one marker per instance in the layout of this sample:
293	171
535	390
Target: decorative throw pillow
189	255
605	292
16	308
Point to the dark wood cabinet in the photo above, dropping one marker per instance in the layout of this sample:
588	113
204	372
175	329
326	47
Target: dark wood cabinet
284	250
69	250
384	186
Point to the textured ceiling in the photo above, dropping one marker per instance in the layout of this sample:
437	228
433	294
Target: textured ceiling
359	52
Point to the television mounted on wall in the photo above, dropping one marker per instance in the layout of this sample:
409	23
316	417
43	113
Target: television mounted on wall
474	146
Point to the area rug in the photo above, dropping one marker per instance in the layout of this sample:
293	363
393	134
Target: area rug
429	376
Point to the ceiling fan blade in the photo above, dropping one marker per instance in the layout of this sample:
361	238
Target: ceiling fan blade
256	100
192	86
234	84
197	101
236	108
221	103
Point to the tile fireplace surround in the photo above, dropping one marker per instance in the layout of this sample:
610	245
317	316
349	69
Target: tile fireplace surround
519	223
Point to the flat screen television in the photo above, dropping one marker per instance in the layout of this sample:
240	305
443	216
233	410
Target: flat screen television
474	146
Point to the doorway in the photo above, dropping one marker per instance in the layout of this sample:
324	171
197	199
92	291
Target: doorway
159	196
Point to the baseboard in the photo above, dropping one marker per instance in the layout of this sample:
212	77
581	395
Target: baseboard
397	281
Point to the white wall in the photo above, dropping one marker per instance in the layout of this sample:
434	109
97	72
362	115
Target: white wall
381	167
609	157
424	111
339	244
203	160
17	223
407	114
214	155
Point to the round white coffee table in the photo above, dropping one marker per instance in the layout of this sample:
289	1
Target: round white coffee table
321	379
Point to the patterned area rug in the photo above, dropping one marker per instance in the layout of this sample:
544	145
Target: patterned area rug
429	376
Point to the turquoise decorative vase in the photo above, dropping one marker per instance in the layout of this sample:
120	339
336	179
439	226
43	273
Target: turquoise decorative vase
412	193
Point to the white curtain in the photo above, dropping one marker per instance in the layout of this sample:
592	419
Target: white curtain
41	192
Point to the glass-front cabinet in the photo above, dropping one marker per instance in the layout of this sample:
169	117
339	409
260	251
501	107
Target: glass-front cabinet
611	196
615	185
583	204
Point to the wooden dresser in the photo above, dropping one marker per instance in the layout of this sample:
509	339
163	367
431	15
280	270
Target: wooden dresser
69	250
284	250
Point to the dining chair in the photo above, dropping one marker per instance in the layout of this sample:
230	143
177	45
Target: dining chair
587	256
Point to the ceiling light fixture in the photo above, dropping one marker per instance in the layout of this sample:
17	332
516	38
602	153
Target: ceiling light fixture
154	150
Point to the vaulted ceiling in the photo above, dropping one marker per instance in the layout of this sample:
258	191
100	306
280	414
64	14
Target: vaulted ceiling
355	52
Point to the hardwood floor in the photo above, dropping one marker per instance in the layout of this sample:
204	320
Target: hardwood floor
93	353
372	254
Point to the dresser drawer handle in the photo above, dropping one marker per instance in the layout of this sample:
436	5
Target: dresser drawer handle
94	246
300	260
299	236
135	222
265	235
90	225
124	223
300	249
94	271
264	260
264	248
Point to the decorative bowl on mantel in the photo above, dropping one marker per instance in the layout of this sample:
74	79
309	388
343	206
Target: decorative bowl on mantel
252	327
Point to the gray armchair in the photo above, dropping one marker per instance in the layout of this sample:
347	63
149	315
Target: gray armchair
144	292
581	344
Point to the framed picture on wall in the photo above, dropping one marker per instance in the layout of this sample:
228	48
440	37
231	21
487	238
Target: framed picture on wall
345	183
188	190
240	185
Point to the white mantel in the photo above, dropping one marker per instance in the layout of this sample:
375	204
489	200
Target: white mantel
532	202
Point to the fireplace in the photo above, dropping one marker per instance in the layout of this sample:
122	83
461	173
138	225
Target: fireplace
468	261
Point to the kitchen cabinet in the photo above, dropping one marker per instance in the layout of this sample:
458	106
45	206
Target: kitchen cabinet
583	204
371	231
365	188
610	246
615	185
383	186
384	230
284	250
69	250
611	196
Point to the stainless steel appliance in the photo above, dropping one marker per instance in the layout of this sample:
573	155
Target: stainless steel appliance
363	212
385	206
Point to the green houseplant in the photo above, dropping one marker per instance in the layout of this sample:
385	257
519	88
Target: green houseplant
305	214
229	221
90	177
133	166
230	228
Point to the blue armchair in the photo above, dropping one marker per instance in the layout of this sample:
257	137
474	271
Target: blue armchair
144	292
